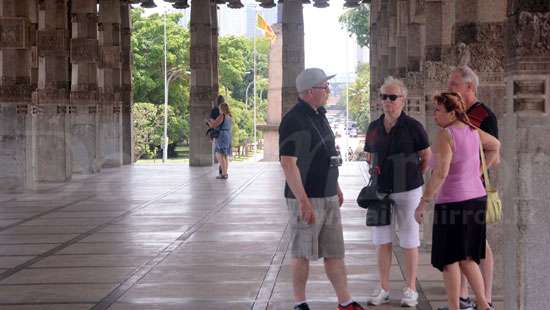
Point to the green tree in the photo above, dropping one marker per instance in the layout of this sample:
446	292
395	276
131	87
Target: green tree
149	125
235	73
148	66
356	21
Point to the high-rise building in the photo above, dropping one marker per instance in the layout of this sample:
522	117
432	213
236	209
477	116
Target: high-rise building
243	21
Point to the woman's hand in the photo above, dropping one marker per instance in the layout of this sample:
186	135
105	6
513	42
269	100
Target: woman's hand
419	212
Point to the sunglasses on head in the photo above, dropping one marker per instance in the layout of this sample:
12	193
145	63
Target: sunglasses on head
389	97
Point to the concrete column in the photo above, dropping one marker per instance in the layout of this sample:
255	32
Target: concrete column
15	94
392	37
126	82
374	55
436	69
215	54
201	82
437	63
293	50
380	10
109	81
478	42
83	97
274	108
524	182
50	129
415	45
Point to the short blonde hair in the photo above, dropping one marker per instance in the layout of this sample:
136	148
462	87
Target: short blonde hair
468	75
390	80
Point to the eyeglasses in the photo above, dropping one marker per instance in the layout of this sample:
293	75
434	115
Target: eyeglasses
385	97
326	87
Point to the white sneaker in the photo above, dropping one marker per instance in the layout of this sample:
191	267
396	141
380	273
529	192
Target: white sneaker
410	298
379	296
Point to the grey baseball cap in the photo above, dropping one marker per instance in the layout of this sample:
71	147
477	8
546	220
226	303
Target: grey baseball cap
311	77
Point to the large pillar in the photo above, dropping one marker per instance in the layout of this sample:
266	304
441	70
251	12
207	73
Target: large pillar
293	50
84	57
525	184
50	130
381	20
413	58
437	50
126	82
215	54
15	93
201	82
479	43
374	56
274	98
109	81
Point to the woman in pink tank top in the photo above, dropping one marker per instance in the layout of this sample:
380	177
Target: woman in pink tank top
459	229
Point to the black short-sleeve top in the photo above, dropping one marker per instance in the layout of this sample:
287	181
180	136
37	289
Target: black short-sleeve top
396	153
306	134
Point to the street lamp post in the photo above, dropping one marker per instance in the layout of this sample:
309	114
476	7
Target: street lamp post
165	135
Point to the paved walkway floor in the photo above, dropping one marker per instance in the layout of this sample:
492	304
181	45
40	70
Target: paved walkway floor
173	237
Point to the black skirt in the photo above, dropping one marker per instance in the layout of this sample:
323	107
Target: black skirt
459	232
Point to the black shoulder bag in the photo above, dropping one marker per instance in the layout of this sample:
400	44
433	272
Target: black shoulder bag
378	205
214	133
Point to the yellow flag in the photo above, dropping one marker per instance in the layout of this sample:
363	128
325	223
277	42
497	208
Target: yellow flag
262	24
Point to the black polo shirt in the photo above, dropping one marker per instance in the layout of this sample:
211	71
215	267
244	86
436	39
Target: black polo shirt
481	116
396	153
305	133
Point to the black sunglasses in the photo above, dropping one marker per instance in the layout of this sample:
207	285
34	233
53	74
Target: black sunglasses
390	97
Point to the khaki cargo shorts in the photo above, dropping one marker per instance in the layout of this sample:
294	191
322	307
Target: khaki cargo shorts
324	238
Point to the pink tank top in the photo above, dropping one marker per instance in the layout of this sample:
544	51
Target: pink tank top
464	179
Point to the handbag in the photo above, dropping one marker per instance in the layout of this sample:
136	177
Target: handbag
214	133
378	205
493	213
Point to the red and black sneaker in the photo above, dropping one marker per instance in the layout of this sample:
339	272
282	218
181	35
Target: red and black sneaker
353	306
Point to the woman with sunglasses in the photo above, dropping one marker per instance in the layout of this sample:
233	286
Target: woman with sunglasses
397	150
459	214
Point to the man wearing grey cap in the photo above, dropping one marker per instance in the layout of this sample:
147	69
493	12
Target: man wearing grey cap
310	162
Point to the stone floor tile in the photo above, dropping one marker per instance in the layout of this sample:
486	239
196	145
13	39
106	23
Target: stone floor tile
134	249
205	273
69	275
183	292
91	261
72	306
26	249
66	221
157	220
4	223
35	239
255	236
133	237
12	261
50	293
82	214
210	305
20	229
221	258
121	228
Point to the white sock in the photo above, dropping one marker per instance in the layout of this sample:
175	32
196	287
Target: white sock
347	303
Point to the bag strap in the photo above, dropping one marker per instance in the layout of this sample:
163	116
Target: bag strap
484	165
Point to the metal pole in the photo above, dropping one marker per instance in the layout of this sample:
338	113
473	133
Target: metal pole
347	101
254	38
165	136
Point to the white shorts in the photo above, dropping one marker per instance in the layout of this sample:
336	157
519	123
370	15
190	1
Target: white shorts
403	215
